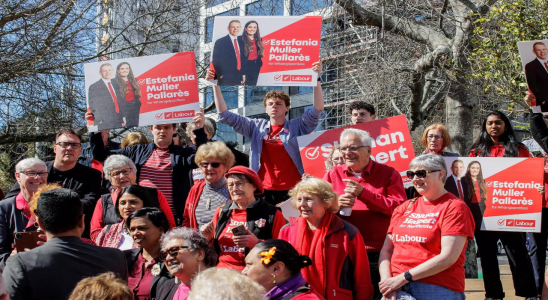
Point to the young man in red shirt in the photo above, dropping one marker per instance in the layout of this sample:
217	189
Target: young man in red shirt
370	189
274	152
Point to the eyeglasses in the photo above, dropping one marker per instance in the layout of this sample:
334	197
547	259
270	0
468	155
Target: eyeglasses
213	164
434	137
65	145
419	173
173	251
125	172
36	174
239	185
351	148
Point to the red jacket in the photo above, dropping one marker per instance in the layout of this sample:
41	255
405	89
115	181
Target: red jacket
189	217
347	270
383	192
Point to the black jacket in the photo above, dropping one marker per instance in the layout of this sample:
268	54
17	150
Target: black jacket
102	106
225	62
11	221
84	180
539	130
52	270
158	280
167	290
182	161
86	157
537	80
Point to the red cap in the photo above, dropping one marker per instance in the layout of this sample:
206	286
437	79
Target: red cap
250	174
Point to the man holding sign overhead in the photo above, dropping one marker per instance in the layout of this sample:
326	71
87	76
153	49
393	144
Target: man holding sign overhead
274	153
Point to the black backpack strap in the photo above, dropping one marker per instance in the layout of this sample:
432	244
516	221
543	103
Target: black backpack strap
301	290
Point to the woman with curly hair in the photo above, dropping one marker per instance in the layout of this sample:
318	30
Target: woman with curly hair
131	91
253	53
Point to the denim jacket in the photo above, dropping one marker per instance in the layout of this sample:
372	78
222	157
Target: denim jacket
256	129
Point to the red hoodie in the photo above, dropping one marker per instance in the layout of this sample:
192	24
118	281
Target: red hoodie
346	252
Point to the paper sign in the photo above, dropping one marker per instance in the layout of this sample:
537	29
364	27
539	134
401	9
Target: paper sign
390	144
140	91
534	58
266	51
501	192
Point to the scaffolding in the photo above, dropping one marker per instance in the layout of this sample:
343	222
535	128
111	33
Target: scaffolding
346	49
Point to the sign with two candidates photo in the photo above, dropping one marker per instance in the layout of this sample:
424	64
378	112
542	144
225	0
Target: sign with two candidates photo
534	58
501	192
391	144
265	51
141	91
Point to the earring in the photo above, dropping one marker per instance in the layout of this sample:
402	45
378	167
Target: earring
274	276
36	225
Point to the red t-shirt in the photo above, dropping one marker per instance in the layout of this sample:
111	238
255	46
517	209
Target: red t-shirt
231	256
254	54
278	172
130	96
477	194
417	231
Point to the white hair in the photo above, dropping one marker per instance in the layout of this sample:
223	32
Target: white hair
364	135
115	162
224	284
27	163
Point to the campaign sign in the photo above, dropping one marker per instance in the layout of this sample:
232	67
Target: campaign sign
534	58
501	192
390	144
141	91
266	51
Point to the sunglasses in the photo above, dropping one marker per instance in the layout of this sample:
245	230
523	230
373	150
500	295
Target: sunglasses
419	173
173	251
213	164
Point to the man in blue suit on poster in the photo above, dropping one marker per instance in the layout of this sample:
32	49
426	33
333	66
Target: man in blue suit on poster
106	100
228	55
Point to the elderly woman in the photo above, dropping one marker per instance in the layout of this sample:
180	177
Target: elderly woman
335	158
276	265
15	213
435	139
239	225
340	267
147	273
186	253
131	199
214	160
121	172
426	261
225	284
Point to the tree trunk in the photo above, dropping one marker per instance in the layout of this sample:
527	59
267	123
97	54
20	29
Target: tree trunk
459	111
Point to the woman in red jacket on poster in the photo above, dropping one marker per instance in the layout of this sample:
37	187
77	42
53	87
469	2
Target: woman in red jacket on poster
276	266
497	139
214	160
340	268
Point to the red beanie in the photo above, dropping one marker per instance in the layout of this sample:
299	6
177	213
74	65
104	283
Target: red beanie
250	174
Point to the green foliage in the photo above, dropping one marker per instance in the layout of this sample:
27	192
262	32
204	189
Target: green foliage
495	56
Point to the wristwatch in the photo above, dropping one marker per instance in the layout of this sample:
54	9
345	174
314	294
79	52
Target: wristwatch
408	276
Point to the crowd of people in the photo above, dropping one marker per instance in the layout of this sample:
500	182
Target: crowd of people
132	222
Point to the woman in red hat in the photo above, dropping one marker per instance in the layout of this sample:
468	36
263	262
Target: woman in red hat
240	224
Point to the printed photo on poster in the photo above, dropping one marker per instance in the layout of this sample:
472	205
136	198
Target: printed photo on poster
390	144
534	58
502	193
142	91
265	51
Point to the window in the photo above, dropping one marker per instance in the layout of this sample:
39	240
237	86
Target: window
211	3
299	7
210	21
265	8
299	111
230	93
299	90
225	133
254	95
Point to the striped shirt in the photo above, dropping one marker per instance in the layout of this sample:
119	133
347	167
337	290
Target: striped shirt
157	173
214	195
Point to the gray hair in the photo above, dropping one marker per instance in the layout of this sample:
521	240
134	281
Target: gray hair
430	162
364	135
208	126
2	287
194	240
224	284
115	162
27	163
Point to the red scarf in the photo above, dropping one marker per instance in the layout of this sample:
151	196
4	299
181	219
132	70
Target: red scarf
312	243
23	205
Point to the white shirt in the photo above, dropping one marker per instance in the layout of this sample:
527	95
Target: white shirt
232	38
543	62
127	241
458	183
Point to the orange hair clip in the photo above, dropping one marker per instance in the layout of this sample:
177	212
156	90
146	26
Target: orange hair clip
266	256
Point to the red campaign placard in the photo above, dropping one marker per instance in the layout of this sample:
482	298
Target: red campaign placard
141	91
390	140
283	50
503	195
